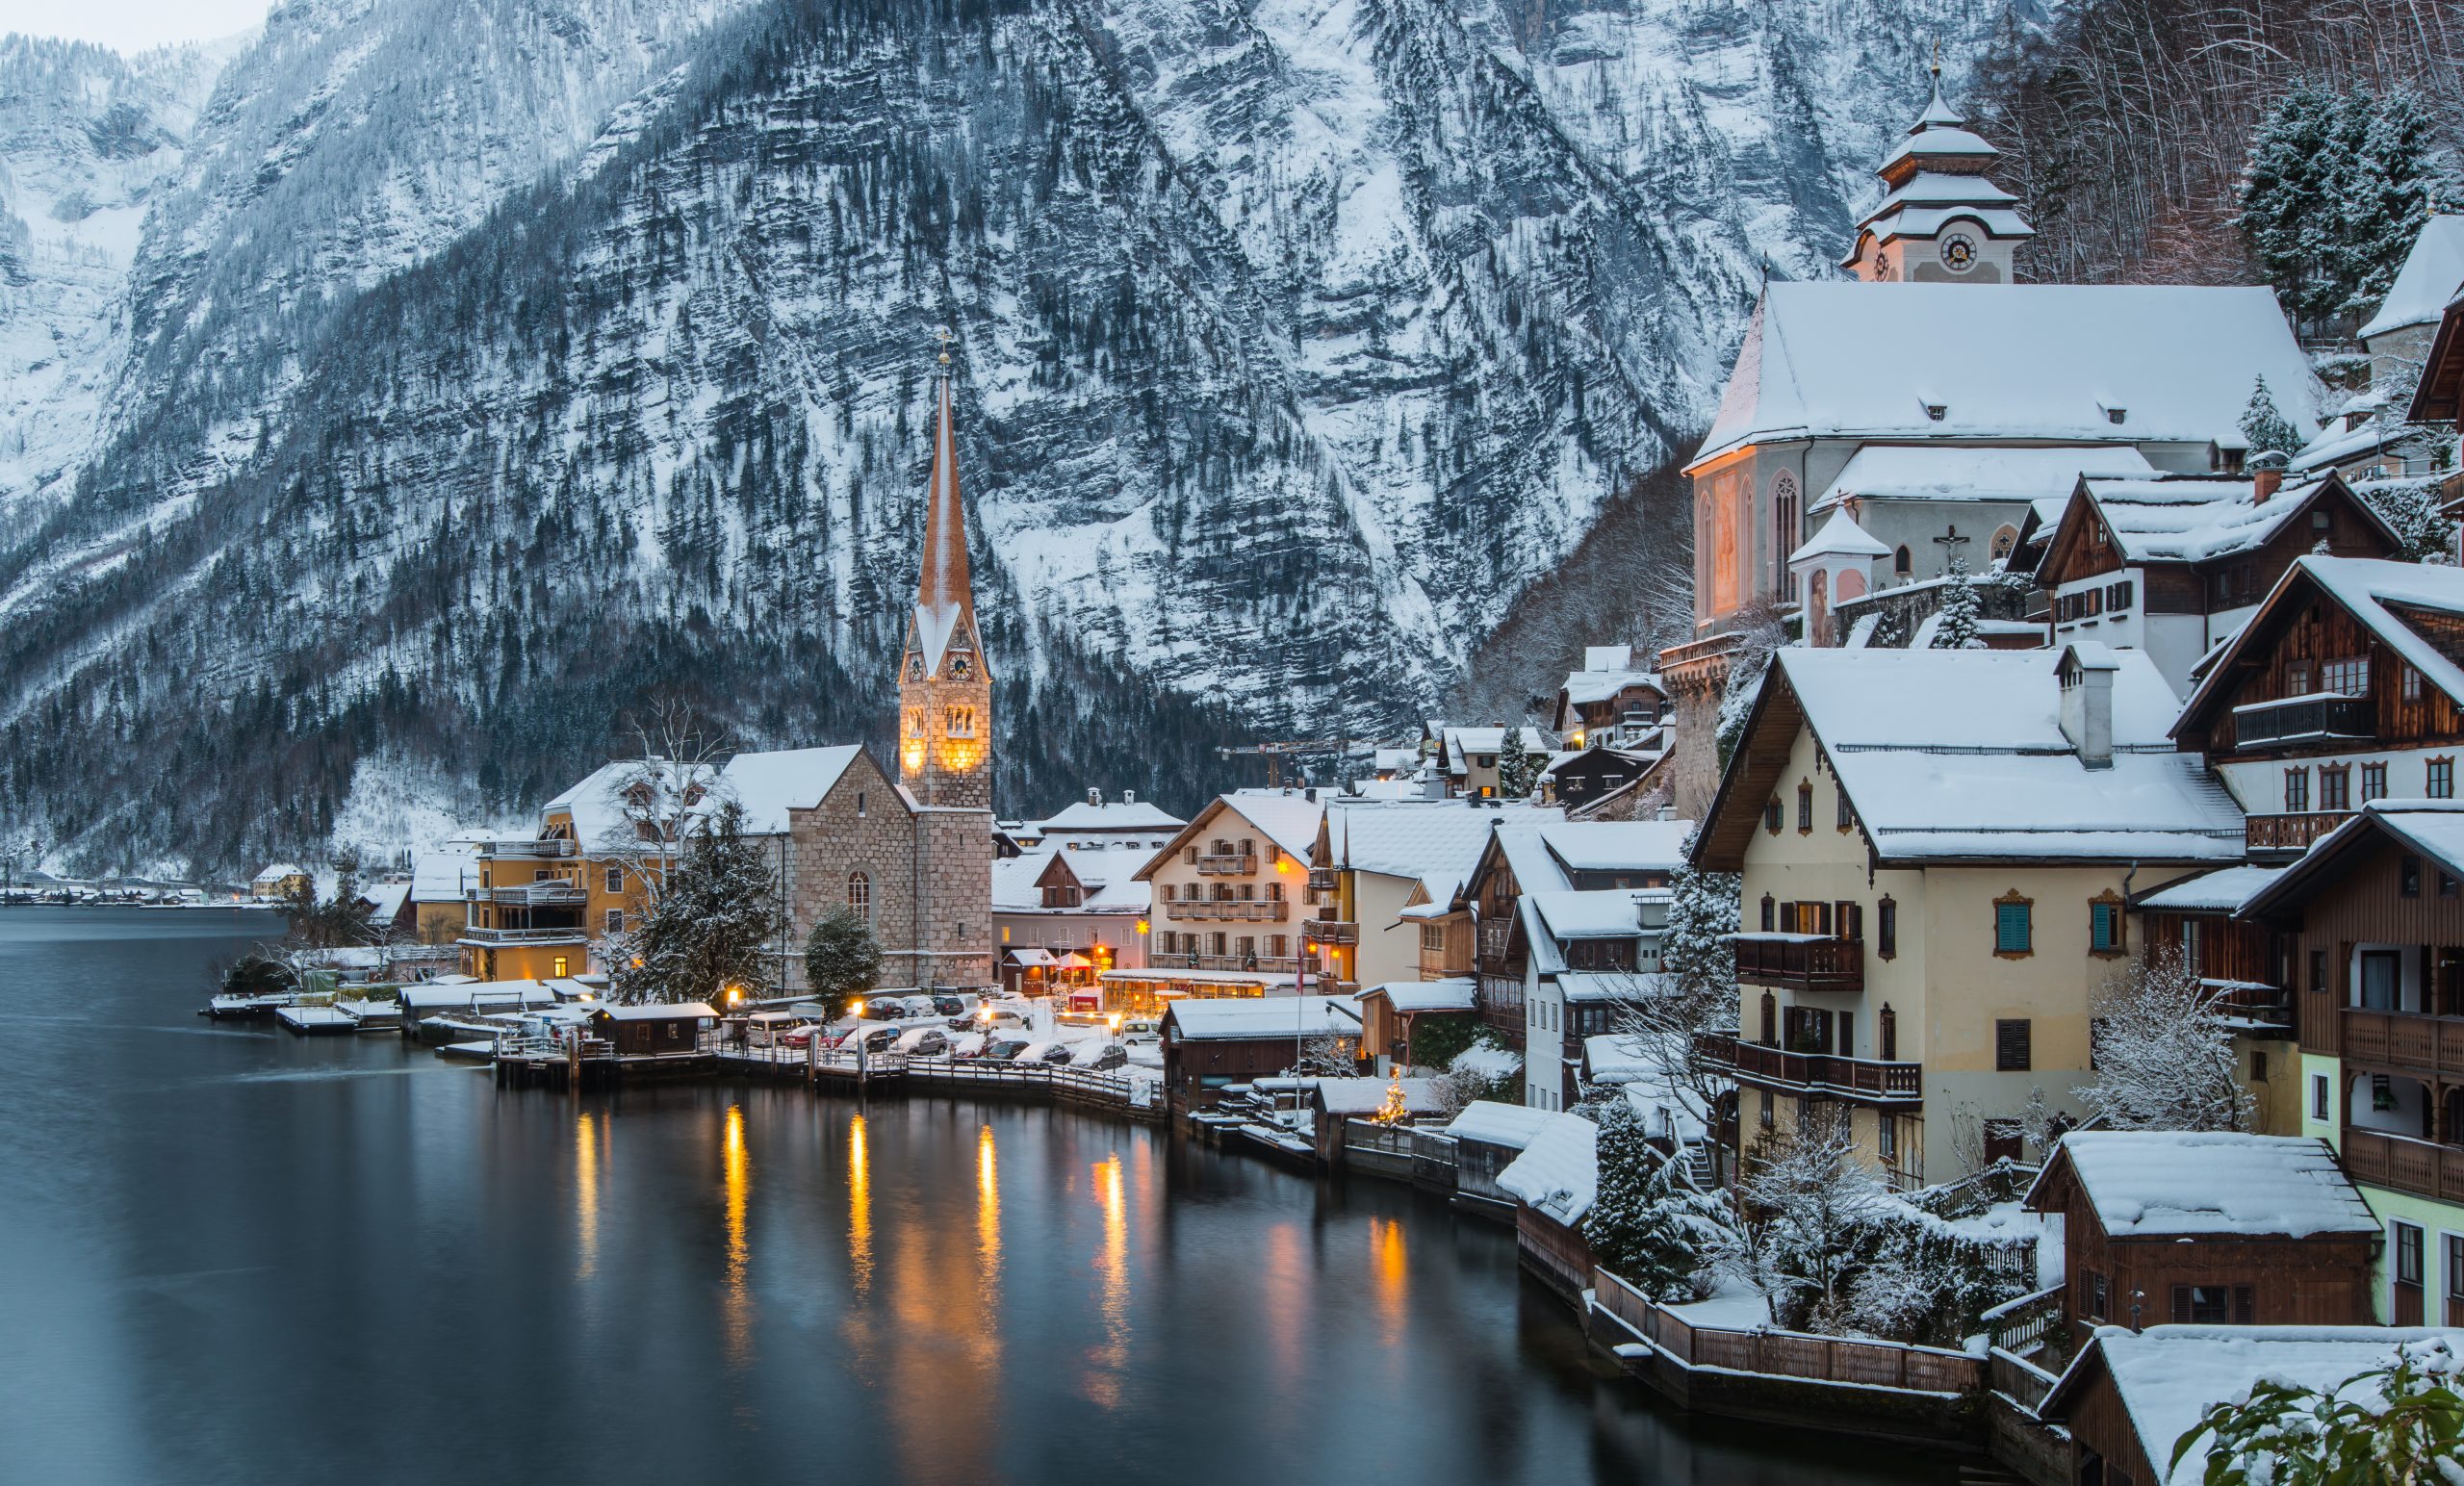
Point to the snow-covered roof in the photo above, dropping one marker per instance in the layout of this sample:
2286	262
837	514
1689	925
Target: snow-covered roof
2221	891
2433	828
1937	471
769	785
2193	518
1603	914
1461	742
1110	880
658	1011
2167	1376
1218	1018
1952	755
1614	845
1839	537
2180	1184
1433	840
2433	272
1557	1175
1528	857
1453	995
1288	817
280	870
385	899
1595	685
1848	360
441	877
1110	815
1368	1095
1493	1123
1607	657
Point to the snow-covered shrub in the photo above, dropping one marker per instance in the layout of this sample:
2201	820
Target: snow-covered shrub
2163	1053
1648	1225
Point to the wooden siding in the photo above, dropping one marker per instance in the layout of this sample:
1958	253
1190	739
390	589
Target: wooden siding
2315	633
2100	1426
2228	950
2317	1281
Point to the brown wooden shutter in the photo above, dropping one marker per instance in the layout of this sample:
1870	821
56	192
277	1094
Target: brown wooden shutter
1889	1037
2181	1305
2245	1306
2011	1045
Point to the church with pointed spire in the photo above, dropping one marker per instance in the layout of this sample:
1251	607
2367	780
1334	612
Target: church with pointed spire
912	855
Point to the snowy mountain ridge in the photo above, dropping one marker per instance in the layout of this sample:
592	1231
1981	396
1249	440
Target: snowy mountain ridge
491	363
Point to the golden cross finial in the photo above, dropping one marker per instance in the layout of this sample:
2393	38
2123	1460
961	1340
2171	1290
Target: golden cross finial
1938	57
945	338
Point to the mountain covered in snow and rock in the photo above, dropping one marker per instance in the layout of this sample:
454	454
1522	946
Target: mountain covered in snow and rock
483	365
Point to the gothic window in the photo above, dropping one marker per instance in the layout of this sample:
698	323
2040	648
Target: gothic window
2005	538
1783	528
961	722
916	721
1903	564
859	897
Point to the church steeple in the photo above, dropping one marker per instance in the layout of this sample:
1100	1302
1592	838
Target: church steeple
944	689
1940	220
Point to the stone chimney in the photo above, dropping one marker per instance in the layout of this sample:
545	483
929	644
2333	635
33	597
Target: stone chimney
2267	477
2086	674
1129	797
1095	797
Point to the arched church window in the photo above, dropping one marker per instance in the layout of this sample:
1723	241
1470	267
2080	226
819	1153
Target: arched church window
859	896
2005	537
1902	563
1784	533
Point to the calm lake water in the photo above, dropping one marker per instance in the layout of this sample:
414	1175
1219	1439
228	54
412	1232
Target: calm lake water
229	1254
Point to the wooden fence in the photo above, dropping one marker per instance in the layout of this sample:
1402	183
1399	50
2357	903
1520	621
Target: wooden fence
2018	1379
2021	1325
1787	1353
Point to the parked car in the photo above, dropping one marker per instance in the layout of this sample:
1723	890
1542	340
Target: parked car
799	1037
924	1042
1005	1051
1112	1055
1140	1031
872	1039
1056	1052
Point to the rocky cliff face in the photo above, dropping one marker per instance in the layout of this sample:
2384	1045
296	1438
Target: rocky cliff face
490	364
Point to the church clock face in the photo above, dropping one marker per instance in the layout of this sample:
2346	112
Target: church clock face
1959	252
915	668
962	667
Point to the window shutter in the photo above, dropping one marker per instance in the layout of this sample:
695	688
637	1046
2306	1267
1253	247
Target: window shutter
2181	1305
2245	1306
1787	918
2011	1050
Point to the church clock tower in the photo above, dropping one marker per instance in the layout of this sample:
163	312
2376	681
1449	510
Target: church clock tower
944	687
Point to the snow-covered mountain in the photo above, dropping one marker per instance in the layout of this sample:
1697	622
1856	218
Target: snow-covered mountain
491	362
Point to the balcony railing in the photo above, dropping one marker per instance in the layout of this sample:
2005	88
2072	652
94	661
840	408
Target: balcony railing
1228	864
2290	833
2317	715
2424	1167
2404	1040
541	894
1800	962
1284	965
572	936
2263	1006
1322	879
1495	934
1861	1079
548	849
1254	910
1330	931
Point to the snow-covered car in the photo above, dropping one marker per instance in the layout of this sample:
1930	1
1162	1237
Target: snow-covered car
802	1037
1054	1052
923	1042
872	1039
1004	1050
1099	1056
967	1044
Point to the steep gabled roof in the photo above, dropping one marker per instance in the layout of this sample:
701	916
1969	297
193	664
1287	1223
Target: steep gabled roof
2181	1184
2376	592
2431	828
1286	817
1865	361
1958	756
2432	273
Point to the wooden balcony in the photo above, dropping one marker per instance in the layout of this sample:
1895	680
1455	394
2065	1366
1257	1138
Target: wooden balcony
1227	864
1860	1080
1496	935
2422	1167
1322	880
476	934
1283	966
1798	962
1249	912
556	892
2298	719
545	849
2430	1045
1330	931
2290	833
2255	1006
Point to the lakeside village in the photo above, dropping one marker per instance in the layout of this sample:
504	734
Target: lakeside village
1998	985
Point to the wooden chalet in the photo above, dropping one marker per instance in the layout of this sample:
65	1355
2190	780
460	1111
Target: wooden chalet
1209	1045
2171	564
2129	1397
2439	397
2210	1229
2343	687
1580	778
655	1030
2376	913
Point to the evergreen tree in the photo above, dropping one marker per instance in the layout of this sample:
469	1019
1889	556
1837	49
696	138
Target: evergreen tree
2267	428
1961	611
2412	509
1514	765
2331	201
1648	1226
714	923
841	956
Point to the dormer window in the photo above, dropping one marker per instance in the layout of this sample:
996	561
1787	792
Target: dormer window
2117	415
1937	411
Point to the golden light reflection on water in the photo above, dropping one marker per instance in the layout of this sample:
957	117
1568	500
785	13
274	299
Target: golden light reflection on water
988	1217
590	1153
1286	1298
859	1209
1389	1278
737	1171
1110	1362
